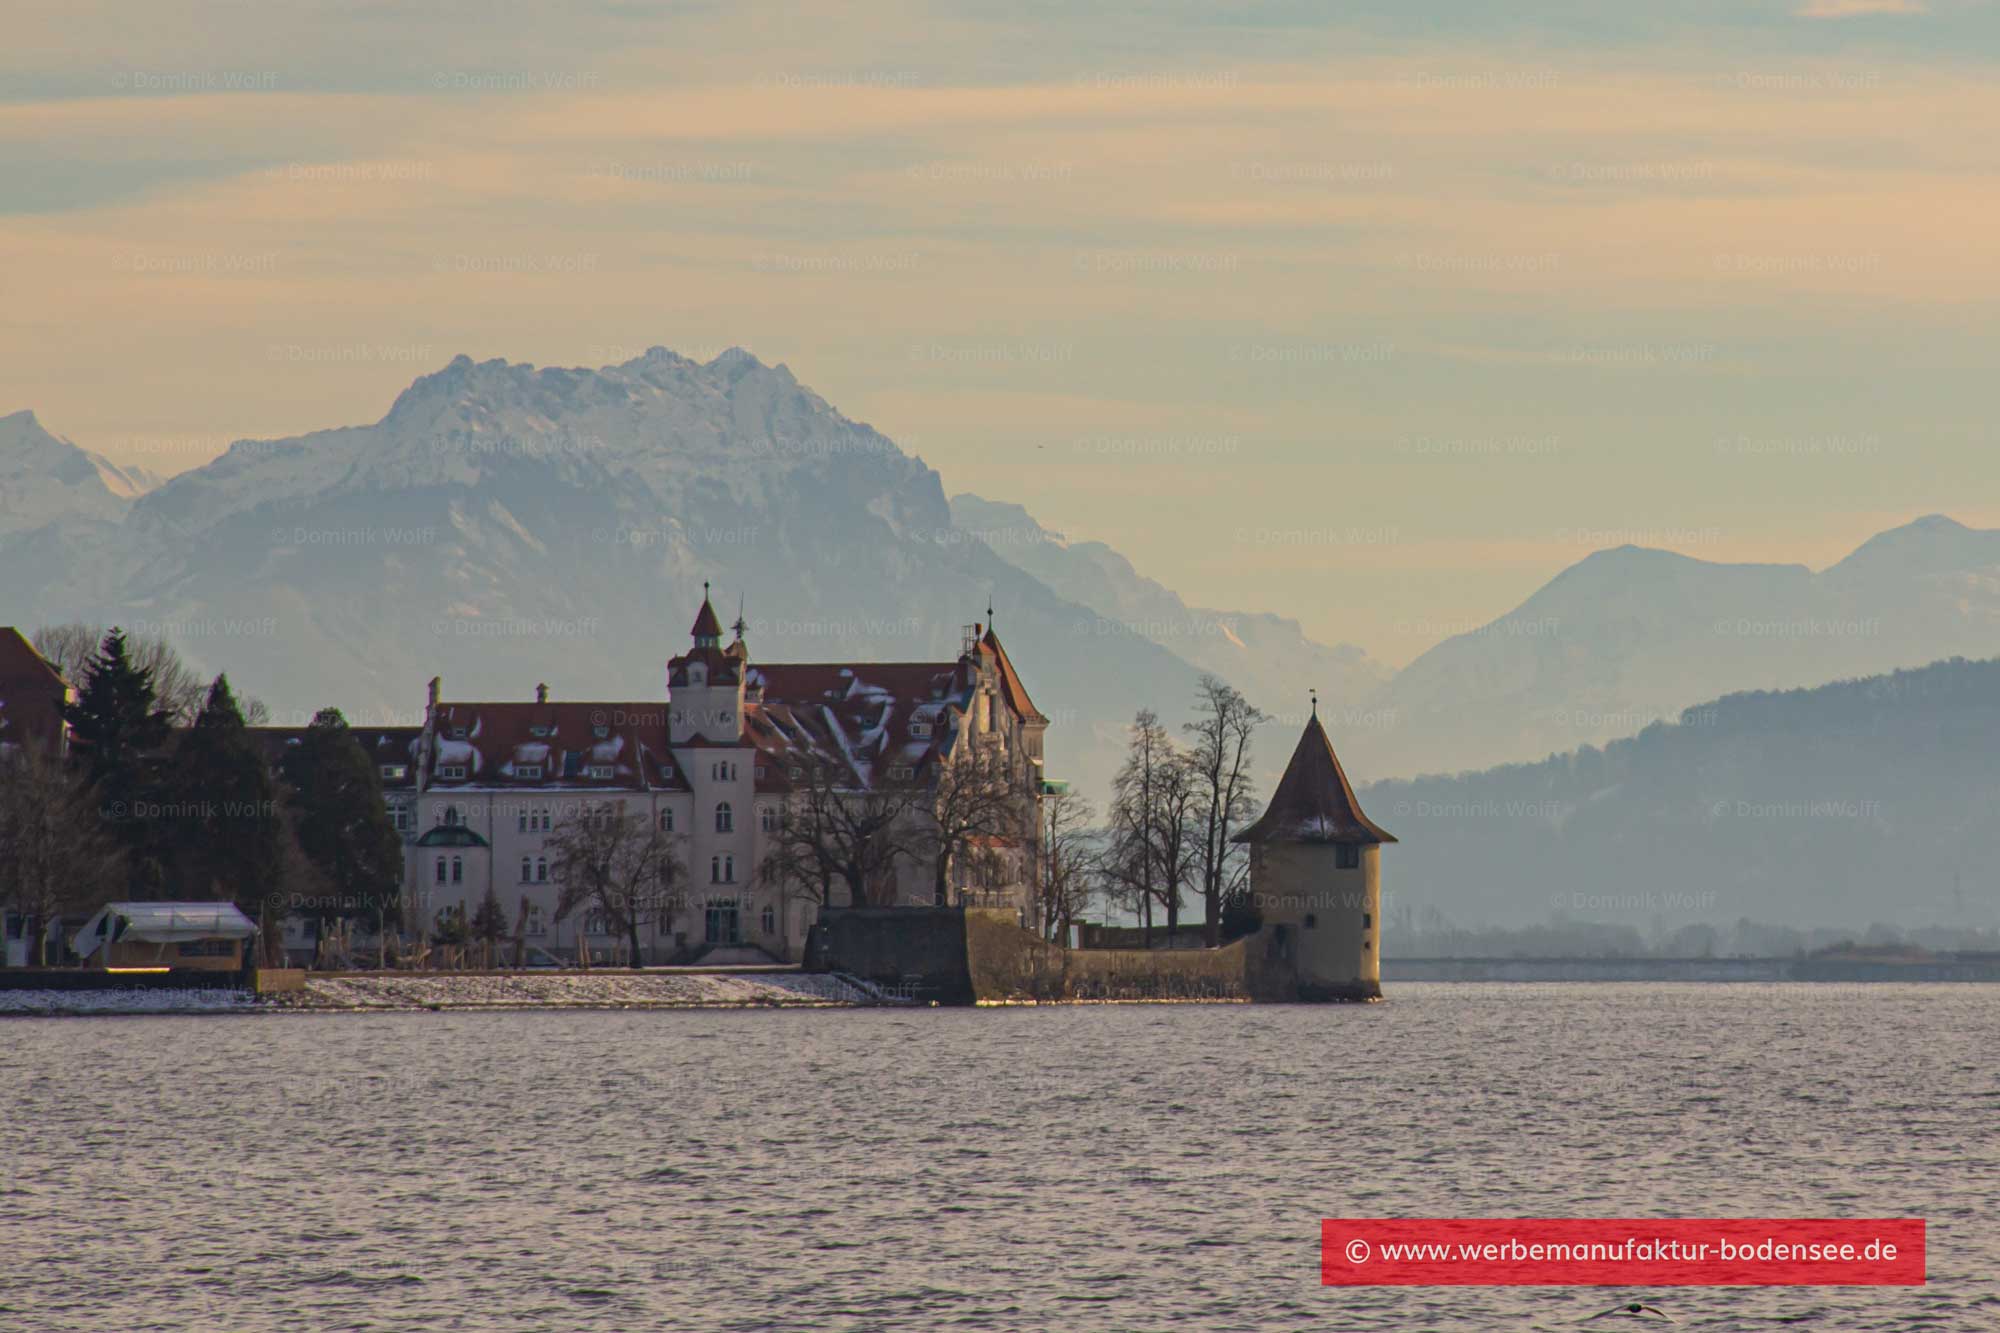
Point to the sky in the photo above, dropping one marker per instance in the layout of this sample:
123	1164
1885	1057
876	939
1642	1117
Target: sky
1375	315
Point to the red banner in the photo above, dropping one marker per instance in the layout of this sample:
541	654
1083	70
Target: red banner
1622	1252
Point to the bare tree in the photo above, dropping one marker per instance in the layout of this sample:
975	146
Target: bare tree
54	855
977	799
1069	854
855	835
1220	739
178	687
621	865
1152	853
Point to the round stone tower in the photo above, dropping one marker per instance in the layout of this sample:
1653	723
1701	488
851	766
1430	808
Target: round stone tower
1316	876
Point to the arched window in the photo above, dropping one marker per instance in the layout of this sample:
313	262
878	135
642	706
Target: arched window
451	816
667	820
725	819
728	870
440	870
715	870
770	921
458	870
524	870
767	819
541	869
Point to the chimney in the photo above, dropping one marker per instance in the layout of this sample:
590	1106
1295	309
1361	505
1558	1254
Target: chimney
542	693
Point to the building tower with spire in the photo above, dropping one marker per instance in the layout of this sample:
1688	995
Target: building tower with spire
1316	874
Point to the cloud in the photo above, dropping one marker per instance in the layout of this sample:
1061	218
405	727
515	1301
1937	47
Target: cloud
1847	9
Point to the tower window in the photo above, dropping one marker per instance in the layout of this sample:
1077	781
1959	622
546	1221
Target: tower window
667	821
725	818
1367	920
1346	856
1311	920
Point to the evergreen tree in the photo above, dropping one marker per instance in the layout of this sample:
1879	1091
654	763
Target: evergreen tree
220	811
119	729
342	825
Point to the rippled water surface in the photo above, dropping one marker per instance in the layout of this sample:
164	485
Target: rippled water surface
1077	1168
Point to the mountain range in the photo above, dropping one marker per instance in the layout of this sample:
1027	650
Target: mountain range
504	525
1860	803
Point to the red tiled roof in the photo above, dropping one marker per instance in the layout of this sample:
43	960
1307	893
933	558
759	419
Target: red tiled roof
502	744
1010	680
388	746
1314	801
856	719
706	625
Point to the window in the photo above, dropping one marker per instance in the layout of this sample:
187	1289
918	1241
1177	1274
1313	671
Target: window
524	870
539	820
725	715
697	674
797	773
901	774
541	870
458	733
767	819
395	772
535	926
723	772
722	870
666	770
769	920
451	816
399	817
725	818
458	870
451	772
600	731
521	825
527	770
1311	921
1346	856
920	730
667	820
538	731
761	772
440	870
715	870
728	870
1367	920
599	772
722	924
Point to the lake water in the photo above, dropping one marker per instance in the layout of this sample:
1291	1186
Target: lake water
1144	1167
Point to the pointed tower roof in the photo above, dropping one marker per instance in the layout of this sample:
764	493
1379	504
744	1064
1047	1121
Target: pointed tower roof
1314	801
707	626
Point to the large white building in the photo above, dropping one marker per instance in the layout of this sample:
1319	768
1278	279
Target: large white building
480	787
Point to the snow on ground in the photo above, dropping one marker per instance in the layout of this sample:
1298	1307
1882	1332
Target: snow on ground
577	990
125	1001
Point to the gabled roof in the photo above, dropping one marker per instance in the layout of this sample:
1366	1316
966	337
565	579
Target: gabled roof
1010	680
20	664
1314	801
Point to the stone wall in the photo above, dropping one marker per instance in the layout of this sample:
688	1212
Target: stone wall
918	951
979	955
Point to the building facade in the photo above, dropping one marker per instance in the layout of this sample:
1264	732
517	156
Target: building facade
715	761
1316	874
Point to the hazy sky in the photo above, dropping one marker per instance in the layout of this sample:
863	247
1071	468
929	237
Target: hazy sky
1377	314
